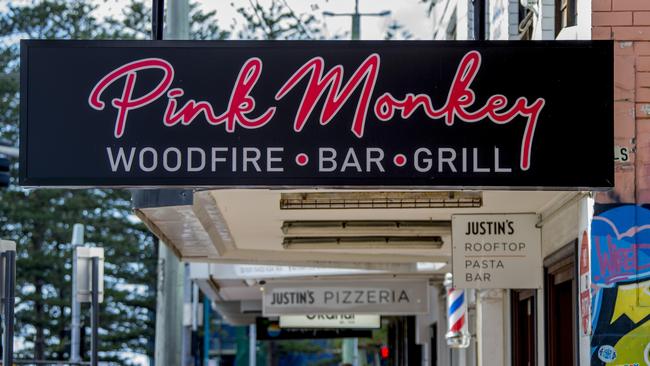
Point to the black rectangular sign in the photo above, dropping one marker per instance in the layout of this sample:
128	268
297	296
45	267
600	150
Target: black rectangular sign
331	114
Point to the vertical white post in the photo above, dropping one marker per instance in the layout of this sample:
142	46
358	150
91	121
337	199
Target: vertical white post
585	216
94	319
349	350
178	19
77	240
195	306
171	272
252	345
187	315
169	308
491	328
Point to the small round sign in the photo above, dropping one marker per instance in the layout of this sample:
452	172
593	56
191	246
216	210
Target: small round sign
607	353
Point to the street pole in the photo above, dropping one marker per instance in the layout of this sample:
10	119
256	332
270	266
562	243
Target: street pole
169	296
9	299
157	13
356	22
479	20
349	344
178	19
350	349
252	345
196	350
169	309
94	316
356	18
77	240
206	331
187	323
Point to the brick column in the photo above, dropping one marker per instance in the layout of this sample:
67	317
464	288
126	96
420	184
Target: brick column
627	22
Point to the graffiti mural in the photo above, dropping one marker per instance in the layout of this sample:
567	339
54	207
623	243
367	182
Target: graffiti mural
620	269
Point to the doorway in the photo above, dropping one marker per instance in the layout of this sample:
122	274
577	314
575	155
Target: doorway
561	307
524	340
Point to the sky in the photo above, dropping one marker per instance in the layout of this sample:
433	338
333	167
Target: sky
410	13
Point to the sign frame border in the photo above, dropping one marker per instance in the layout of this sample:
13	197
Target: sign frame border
68	183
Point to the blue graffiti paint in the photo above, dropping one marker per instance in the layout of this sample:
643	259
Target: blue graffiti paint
620	260
620	249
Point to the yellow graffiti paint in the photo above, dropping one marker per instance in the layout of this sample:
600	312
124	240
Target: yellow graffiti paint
633	347
644	295
628	299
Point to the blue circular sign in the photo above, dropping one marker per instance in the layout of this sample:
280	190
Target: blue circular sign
607	353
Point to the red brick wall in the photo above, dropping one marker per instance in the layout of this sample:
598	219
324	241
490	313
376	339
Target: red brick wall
627	22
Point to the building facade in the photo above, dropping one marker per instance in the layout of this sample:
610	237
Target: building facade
602	293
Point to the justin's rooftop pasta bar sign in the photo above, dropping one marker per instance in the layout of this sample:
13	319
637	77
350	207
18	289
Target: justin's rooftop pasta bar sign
263	114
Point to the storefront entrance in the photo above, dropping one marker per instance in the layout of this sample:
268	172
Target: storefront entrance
561	307
524	348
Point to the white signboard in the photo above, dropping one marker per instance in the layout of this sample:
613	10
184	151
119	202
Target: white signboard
384	297
83	256
496	251
336	321
263	271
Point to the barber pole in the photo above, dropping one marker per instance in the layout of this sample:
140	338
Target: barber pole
457	310
458	335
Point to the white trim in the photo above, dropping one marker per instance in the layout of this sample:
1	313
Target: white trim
568	33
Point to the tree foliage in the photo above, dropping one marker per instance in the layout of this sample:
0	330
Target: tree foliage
134	22
277	21
396	30
40	221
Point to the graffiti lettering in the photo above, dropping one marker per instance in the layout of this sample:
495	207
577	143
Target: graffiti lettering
621	278
617	263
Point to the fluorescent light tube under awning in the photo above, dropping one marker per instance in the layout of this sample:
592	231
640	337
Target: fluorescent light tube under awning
363	242
380	200
366	228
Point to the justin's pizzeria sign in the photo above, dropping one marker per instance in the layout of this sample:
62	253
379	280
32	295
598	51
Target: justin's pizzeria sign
430	114
386	297
496	251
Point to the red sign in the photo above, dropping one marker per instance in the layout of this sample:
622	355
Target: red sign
585	285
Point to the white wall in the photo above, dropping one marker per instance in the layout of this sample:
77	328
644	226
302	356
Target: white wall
560	227
491	331
447	12
513	19
498	19
493	328
582	30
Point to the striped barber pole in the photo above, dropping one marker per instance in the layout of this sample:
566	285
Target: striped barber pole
458	335
456	310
